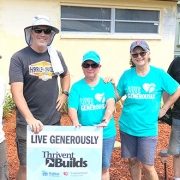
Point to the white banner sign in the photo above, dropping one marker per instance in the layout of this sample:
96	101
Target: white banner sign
64	152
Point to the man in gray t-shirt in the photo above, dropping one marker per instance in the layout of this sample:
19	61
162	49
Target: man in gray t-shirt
33	74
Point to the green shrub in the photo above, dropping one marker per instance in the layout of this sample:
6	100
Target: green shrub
9	105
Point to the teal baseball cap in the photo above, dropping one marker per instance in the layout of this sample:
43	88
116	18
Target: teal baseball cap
91	56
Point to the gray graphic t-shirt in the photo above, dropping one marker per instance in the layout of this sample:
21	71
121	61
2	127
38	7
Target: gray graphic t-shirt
40	84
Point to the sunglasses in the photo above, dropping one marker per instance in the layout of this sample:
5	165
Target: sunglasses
46	31
87	65
142	54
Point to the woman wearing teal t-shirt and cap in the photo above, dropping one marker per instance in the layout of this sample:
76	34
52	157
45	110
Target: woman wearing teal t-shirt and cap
143	86
92	102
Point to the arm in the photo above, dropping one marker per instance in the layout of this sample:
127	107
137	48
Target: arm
168	102
65	84
110	107
110	79
2	94
73	116
165	97
118	97
18	97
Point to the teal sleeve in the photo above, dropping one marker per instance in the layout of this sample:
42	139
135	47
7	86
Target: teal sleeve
110	92
120	85
73	100
169	84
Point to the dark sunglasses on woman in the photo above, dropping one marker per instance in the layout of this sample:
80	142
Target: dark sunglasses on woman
87	65
142	54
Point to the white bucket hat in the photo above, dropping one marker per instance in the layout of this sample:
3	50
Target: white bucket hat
39	20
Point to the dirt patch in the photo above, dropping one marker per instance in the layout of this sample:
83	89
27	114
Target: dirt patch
119	167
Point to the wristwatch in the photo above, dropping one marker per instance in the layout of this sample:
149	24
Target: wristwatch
66	93
104	121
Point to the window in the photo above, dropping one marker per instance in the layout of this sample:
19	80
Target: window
85	19
108	20
136	21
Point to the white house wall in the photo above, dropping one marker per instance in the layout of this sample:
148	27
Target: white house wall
113	49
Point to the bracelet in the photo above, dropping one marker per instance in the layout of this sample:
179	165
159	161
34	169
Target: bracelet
66	93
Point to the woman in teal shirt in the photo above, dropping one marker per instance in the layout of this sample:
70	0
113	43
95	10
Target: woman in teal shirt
92	102
143	86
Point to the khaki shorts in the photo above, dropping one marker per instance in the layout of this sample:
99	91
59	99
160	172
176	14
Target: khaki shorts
21	134
21	143
174	142
3	162
108	145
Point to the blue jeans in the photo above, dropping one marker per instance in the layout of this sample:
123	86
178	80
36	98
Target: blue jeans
141	148
108	145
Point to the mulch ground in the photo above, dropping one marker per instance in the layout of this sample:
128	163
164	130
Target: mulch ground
119	167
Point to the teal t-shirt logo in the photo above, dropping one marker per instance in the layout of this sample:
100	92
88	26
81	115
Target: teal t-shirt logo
149	87
100	97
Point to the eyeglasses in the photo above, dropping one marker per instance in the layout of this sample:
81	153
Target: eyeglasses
46	31
142	54
87	65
